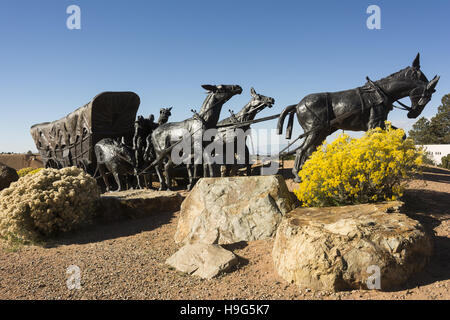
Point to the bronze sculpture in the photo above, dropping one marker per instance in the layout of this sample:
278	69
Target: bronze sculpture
142	145
70	141
110	115
121	160
117	158
169	134
227	134
164	115
359	109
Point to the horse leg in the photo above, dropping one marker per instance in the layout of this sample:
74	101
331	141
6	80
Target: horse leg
191	176
167	171
301	155
207	167
308	147
101	169
227	167
148	180
247	162
224	165
377	117
208	170
196	173
227	164
138	178
117	178
130	182
234	167
206	164
223	169
162	183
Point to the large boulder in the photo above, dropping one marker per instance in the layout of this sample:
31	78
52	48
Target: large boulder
7	176
341	248
203	260
233	209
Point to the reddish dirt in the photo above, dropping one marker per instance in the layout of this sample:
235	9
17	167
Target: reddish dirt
125	260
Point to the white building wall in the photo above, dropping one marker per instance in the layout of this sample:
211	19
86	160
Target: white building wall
437	151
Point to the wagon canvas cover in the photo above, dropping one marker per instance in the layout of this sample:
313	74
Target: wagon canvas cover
70	140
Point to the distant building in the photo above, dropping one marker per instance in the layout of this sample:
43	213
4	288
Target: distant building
437	151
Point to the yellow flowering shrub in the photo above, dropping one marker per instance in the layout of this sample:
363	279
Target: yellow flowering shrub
24	171
47	202
35	171
350	171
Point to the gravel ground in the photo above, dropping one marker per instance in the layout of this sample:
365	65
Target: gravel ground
125	260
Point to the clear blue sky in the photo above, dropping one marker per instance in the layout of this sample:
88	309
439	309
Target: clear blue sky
164	51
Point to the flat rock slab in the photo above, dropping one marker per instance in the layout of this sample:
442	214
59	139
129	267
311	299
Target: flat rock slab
203	260
138	203
233	209
341	248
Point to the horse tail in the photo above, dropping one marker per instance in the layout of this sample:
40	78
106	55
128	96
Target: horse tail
288	110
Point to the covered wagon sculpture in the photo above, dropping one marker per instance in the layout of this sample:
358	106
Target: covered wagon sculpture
70	141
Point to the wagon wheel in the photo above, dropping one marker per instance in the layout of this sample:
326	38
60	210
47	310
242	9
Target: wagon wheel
83	165
52	163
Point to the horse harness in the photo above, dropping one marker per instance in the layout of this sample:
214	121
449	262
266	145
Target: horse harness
330	112
380	90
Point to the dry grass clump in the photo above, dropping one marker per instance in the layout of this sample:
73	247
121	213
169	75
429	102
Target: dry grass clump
47	202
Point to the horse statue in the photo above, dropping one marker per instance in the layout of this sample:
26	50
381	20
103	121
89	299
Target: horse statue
117	158
142	132
142	144
169	134
227	135
359	109
164	115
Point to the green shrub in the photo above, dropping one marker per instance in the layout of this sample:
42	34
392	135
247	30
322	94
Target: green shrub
445	162
47	202
427	160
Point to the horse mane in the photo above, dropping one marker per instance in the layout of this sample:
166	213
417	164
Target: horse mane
408	73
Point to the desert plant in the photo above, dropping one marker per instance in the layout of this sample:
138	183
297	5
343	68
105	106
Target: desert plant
45	203
34	171
24	171
349	171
